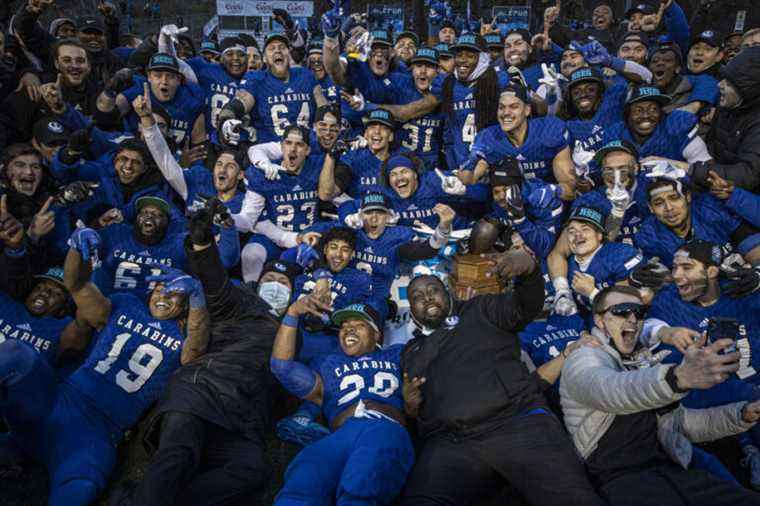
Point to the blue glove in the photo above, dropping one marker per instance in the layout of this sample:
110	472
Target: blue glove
596	54
348	24
330	24
306	256
544	197
176	281
86	241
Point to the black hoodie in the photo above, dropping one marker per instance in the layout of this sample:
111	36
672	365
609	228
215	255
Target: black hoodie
734	137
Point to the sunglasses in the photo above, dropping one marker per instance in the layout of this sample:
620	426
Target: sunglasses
629	308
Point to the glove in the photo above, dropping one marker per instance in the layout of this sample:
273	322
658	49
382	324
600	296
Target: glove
306	256
282	17
698	171
742	282
544	197
661	168
516	76
515	204
551	79
77	145
220	213
596	54
564	304
652	275
581	160
199	225
358	143
451	184
231	129
86	241
77	191
354	221
330	24
620	199
271	170
172	31
176	281
338	149
119	82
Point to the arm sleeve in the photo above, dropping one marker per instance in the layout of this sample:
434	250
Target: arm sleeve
253	205
677	26
539	239
266	151
16	278
514	310
709	424
417	250
166	162
280	237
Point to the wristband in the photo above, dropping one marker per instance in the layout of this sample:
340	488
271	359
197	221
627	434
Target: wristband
290	321
593	294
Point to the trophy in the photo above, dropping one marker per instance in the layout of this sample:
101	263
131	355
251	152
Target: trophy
470	269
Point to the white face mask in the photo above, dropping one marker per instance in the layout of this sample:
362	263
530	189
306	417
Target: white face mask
275	294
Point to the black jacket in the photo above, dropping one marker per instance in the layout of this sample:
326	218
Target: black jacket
734	136
725	16
230	385
472	364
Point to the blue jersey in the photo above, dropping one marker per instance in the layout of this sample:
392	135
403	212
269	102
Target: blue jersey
589	134
188	103
545	139
200	182
635	214
346	287
544	340
424	135
133	357
365	171
704	88
611	263
380	257
669	139
346	380
126	263
41	334
710	221
218	86
280	103
461	127
291	201
376	89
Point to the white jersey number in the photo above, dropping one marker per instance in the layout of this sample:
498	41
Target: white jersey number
139	371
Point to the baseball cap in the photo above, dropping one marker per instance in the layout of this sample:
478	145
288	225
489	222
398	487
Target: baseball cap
289	269
54	274
425	54
585	75
91	24
589	215
709	37
493	40
664	44
635	37
506	173
469	41
152	200
375	200
50	132
444	50
409	35
642	8
276	36
380	116
209	46
704	251
359	311
644	93
163	61
381	37
613	146
515	90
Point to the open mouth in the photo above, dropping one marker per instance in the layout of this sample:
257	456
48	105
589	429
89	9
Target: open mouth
432	309
148	226
350	340
26	183
584	103
646	125
629	334
39	303
162	305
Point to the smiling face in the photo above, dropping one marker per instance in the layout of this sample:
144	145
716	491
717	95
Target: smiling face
729	95
423	74
375	221
664	66
405	48
671	208
601	17
583	238
164	84
73	64
512	113
66	30
24	174
129	166
429	301
516	50
633	50
570	62
295	149
94	41
465	61
338	254
634	20
166	306
255	62
227	173
327	130
357	337
623	163
315	64
379	59
46	299
692	278
702	56
379	137
277	58
235	62
644	116
151	223
586	96
623	331
404	181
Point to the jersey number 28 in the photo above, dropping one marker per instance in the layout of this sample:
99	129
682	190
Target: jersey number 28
384	384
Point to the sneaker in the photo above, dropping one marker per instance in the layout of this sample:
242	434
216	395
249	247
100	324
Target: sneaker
301	430
752	461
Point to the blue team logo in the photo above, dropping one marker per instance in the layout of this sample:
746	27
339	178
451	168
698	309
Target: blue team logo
55	127
280	267
451	321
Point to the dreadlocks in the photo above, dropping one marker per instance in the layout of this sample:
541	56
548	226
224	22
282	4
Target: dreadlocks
486	94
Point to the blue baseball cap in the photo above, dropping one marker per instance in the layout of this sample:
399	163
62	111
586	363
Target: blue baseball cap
644	93
380	116
316	46
585	75
469	41
589	215
425	54
375	200
209	46
516	90
493	40
54	274
163	61
709	37
409	35
381	37
358	311
276	36
443	50
613	146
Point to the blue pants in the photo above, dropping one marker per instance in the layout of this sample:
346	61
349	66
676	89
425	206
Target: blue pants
54	424
365	462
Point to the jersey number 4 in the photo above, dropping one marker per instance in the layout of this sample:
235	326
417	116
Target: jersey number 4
384	384
139	371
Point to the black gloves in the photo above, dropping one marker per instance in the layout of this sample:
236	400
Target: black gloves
119	82
338	149
515	204
214	212
78	143
78	191
742	282
652	275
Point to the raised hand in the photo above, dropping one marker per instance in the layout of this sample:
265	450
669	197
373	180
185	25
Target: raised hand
53	96
110	217
119	81
43	222
583	283
231	132
451	184
11	230
177	282
751	412
511	264
719	187
32	84
271	170
679	337
652	274
515	204
705	367
172	32
445	214
86	241
78	191
412	393
141	104
306	256
37	6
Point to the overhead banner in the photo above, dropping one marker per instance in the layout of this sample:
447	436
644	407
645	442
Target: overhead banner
389	17
263	8
512	17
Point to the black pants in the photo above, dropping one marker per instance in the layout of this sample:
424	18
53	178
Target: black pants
201	464
671	485
532	453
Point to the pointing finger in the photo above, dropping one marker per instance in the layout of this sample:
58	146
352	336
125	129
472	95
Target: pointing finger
46	206
59	81
146	92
